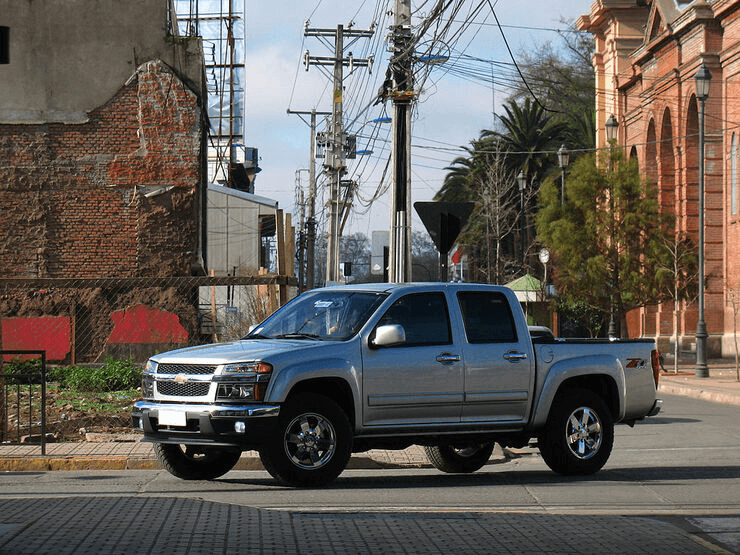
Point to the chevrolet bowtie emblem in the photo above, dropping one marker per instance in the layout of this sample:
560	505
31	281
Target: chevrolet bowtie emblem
181	378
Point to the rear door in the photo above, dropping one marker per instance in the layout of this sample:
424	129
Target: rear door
421	381
498	360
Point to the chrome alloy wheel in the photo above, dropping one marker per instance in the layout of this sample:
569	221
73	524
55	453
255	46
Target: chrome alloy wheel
583	433
310	441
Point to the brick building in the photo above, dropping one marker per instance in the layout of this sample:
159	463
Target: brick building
101	141
102	177
646	57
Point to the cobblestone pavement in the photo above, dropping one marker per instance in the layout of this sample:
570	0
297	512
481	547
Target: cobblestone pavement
127	525
84	525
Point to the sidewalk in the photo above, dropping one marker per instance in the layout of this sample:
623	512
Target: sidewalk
127	452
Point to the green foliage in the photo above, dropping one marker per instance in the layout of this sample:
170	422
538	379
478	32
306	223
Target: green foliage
609	237
114	375
22	371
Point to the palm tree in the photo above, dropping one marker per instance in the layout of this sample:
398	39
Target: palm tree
529	134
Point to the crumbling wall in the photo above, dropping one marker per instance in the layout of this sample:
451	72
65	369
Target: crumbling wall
116	196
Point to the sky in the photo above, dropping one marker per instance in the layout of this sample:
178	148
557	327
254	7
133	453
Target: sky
456	100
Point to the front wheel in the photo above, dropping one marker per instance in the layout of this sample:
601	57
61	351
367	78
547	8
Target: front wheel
193	462
459	459
579	434
313	443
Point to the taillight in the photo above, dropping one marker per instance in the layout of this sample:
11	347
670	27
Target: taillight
655	361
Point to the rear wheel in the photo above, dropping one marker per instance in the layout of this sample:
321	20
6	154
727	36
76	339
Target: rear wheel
195	462
459	459
579	433
313	443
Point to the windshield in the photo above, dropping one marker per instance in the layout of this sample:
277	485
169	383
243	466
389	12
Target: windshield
320	314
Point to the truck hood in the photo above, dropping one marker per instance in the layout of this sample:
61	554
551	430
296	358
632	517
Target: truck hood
237	351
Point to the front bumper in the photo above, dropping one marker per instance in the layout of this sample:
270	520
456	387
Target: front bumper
219	425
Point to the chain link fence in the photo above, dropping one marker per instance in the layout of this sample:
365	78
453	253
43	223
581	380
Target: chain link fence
87	320
88	323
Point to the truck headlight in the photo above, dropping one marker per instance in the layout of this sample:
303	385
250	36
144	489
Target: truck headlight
248	368
243	381
151	367
235	392
147	386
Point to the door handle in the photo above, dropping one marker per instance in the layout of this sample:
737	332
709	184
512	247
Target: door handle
515	356
447	358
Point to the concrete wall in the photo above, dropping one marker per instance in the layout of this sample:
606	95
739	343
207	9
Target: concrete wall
67	57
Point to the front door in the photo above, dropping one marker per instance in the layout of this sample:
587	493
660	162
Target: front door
421	381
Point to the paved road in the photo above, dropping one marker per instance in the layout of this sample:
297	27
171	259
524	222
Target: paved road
671	486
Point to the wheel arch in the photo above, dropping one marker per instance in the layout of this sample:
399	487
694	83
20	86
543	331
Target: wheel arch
336	389
605	385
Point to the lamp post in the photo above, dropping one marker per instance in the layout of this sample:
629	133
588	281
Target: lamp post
521	180
702	79
563	159
611	136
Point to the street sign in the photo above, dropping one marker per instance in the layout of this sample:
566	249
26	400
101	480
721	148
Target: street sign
444	222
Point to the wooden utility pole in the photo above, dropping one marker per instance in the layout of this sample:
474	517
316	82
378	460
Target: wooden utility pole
311	201
334	161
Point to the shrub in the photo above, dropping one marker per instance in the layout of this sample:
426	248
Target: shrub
114	375
22	371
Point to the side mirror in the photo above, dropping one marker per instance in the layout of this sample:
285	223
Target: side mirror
252	328
388	336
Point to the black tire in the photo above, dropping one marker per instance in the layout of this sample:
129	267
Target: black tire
195	462
459	459
579	434
313	443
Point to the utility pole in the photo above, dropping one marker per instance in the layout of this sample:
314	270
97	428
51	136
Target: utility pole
402	95
311	220
335	155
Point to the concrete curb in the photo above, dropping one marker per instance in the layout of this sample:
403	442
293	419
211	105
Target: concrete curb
699	393
247	462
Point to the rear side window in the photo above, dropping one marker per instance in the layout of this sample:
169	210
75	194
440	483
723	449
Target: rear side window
424	318
487	317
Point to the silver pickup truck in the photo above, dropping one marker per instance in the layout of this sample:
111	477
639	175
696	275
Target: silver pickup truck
451	367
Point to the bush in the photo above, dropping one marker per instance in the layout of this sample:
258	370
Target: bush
22	371
114	375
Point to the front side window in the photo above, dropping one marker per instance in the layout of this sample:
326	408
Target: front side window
424	318
487	317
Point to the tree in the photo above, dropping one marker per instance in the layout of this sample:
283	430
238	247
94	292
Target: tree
424	257
609	237
355	249
529	132
680	277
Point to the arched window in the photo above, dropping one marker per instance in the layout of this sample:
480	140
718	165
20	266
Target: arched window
733	175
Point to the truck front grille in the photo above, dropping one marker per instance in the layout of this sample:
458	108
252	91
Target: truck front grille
187	389
186	369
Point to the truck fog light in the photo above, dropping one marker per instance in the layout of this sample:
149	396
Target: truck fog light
240	427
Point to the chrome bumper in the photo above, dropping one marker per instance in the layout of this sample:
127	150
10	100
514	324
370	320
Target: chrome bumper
204	409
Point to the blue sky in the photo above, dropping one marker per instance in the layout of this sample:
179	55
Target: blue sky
452	108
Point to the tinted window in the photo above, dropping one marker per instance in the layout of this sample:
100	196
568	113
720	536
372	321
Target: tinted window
424	318
487	317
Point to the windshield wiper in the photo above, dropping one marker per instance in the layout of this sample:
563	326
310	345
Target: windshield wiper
298	335
257	336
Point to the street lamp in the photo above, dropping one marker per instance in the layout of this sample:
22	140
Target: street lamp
563	159
521	180
702	79
611	136
611	129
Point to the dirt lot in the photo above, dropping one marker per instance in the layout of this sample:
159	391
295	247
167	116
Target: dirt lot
70	414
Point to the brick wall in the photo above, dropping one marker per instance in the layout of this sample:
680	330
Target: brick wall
116	196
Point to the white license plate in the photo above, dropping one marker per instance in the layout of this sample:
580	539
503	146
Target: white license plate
172	418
